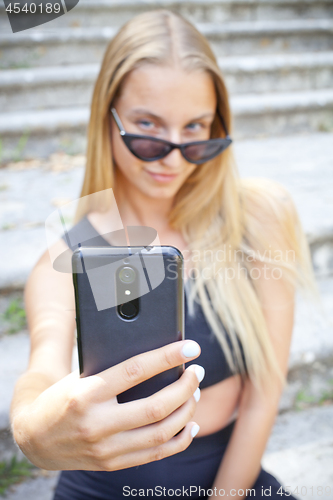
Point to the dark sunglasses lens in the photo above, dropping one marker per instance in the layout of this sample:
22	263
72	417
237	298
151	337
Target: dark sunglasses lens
147	149
204	151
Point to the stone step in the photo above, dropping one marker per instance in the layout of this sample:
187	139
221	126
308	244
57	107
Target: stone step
90	13
39	133
86	45
299	452
278	72
49	87
272	114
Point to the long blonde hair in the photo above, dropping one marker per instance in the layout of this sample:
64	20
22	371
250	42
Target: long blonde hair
214	209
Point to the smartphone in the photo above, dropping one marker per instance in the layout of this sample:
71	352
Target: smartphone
128	300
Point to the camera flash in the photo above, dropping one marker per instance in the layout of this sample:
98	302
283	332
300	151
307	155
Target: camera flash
127	292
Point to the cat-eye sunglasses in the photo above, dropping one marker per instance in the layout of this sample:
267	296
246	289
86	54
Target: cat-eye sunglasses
149	148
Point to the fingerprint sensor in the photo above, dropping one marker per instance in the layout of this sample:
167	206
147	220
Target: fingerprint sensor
128	310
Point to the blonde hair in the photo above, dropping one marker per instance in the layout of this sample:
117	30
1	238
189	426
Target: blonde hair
214	208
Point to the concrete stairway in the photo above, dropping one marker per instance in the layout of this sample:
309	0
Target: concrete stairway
276	55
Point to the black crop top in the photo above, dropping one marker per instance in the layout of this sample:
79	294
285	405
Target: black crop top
196	327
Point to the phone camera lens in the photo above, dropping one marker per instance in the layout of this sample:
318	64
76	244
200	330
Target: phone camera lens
127	275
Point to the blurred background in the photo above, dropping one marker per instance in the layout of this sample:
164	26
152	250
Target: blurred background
277	59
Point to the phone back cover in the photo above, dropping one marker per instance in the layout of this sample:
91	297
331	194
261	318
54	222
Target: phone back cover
105	339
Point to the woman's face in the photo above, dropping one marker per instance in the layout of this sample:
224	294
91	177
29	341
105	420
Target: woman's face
168	103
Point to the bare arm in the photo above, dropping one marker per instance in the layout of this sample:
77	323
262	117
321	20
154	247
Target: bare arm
241	463
49	302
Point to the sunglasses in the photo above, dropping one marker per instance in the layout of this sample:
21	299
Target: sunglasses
148	148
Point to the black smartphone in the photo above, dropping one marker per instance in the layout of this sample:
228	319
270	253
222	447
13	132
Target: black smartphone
128	300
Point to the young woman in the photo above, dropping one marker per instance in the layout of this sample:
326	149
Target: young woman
245	252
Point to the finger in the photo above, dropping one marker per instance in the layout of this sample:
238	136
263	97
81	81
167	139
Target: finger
117	379
151	435
175	445
161	404
109	418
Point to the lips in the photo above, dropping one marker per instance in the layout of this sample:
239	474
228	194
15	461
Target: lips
162	177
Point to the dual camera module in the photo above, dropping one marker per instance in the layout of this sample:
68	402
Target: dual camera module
127	286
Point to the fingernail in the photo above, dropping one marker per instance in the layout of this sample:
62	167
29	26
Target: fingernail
197	394
200	372
190	349
195	429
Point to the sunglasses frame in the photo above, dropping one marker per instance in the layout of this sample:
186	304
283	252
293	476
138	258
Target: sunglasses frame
127	138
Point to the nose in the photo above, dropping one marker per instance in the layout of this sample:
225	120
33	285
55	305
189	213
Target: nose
173	160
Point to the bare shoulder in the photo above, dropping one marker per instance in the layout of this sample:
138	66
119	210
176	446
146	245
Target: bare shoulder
266	199
54	264
270	216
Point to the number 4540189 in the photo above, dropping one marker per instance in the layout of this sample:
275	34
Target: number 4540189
33	8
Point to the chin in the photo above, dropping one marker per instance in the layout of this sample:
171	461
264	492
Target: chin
161	193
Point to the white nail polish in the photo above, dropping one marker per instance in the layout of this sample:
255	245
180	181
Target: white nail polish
200	372
190	349
197	394
195	429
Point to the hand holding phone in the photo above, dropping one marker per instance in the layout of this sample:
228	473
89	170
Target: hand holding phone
77	423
